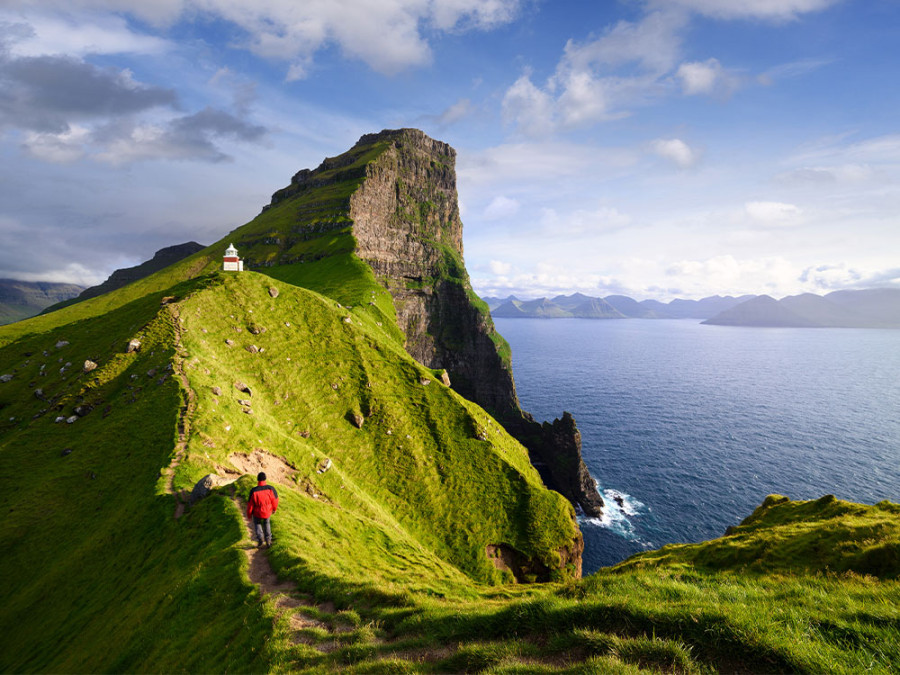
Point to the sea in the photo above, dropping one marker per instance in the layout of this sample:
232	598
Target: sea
686	428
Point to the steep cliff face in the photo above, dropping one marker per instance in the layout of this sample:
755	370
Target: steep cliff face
406	224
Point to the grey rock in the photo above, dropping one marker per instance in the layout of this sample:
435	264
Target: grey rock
83	410
445	378
357	420
206	485
273	291
253	349
217	391
134	345
61	344
230	343
89	366
72	419
324	466
240	386
6	378
424	381
61	418
66	451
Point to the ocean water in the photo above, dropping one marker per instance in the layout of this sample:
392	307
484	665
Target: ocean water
688	427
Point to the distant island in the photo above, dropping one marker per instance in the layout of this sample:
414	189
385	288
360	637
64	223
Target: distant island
580	306
871	308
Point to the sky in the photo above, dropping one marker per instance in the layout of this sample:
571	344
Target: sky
653	148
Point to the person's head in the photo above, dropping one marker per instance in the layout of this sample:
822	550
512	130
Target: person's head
261	476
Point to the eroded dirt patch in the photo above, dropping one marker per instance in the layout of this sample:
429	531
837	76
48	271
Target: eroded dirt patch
277	469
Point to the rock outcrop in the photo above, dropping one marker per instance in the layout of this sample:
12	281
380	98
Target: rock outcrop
403	209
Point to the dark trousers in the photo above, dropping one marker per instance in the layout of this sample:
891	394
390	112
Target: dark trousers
263	529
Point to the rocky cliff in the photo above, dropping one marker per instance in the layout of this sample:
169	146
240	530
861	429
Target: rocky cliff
397	189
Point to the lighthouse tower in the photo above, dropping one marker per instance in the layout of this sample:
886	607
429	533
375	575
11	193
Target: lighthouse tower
231	262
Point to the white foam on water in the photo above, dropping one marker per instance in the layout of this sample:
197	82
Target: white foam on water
618	510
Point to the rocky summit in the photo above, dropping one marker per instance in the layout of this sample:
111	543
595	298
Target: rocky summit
417	530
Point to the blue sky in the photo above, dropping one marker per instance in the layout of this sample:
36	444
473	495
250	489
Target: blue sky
657	148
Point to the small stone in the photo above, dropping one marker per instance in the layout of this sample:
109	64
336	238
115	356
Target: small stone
253	349
151	372
287	323
445	378
357	420
248	411
89	366
72	419
134	345
424	381
245	402
83	410
6	378
240	386
273	291
347	319
230	343
256	329
59	419
324	466
166	300
305	433
217	391
61	344
66	451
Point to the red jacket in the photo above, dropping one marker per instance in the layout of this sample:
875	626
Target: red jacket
263	501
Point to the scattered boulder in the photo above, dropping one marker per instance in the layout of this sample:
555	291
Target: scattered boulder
6	378
66	452
39	393
247	411
305	433
256	329
424	381
83	410
72	419
61	344
228	342
347	319
324	466
445	378
217	391
151	372
61	418
89	366
356	419
206	485
240	386
245	402
253	349
134	345
273	291
166	300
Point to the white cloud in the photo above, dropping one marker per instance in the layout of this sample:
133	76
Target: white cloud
727	274
773	213
706	77
777	10
459	110
79	36
529	108
676	150
501	207
500	268
62	148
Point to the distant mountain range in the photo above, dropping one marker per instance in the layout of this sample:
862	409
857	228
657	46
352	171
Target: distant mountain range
873	308
22	299
580	306
122	277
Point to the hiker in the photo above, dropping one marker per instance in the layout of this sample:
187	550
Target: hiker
261	504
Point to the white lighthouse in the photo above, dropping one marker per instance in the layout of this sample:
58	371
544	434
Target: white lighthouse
231	262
